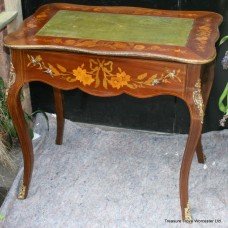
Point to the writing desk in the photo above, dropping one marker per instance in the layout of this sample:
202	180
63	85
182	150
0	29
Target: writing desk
108	51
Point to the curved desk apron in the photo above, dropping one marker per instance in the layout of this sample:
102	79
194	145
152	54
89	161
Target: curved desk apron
107	51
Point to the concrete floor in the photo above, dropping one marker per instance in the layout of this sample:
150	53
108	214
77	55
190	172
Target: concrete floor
110	177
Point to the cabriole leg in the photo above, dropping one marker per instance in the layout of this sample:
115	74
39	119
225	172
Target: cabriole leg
59	115
195	103
17	115
199	152
207	81
193	138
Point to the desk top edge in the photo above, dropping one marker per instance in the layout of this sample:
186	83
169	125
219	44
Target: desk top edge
23	38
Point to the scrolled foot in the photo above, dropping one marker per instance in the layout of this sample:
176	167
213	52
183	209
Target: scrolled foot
202	159
187	214
22	192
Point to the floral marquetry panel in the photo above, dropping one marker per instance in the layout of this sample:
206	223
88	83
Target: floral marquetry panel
183	36
108	75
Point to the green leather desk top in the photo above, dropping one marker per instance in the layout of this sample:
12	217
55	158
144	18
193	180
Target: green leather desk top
118	27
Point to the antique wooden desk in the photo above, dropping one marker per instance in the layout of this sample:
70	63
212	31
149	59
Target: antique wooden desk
107	51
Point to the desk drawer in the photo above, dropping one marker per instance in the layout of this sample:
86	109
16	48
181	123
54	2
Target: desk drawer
103	73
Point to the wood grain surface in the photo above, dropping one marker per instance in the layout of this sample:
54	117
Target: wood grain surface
199	49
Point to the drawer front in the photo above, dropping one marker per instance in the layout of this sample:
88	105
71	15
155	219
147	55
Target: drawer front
106	76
